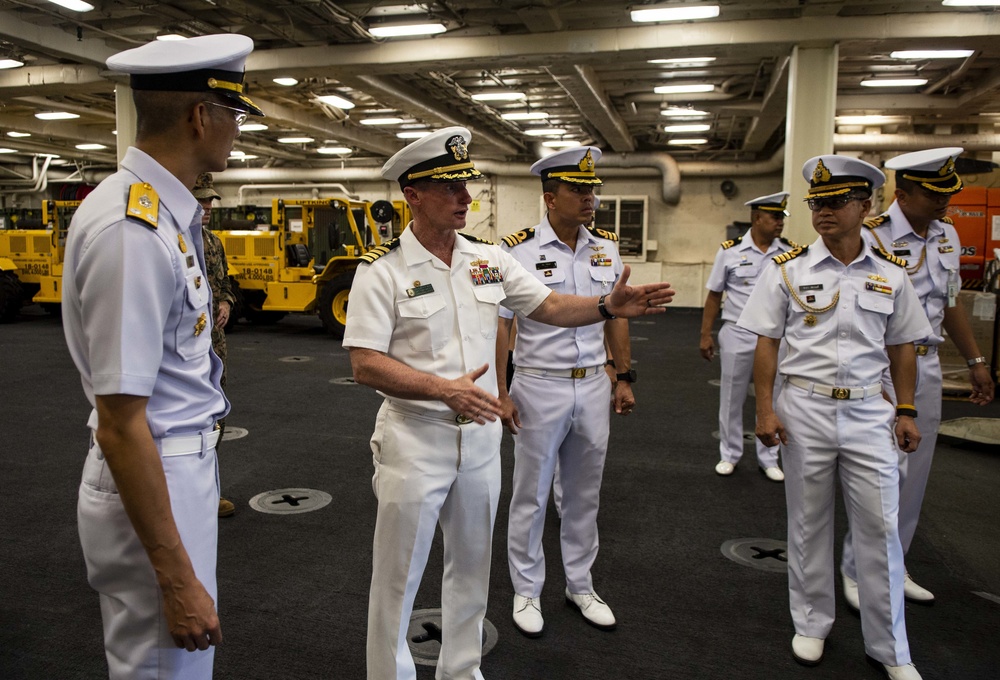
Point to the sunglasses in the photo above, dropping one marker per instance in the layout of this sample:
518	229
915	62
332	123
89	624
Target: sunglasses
241	115
831	202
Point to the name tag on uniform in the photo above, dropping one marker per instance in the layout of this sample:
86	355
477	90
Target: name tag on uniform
901	253
419	289
546	265
811	286
878	287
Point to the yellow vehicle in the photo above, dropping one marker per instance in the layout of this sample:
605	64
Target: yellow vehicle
304	258
31	257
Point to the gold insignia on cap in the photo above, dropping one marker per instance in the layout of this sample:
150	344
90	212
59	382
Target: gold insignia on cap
181	244
587	162
456	145
821	173
948	167
199	326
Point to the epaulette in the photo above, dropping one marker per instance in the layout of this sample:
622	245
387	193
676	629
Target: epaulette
895	259
519	237
143	203
948	220
602	233
476	239
788	242
380	250
873	222
790	255
726	245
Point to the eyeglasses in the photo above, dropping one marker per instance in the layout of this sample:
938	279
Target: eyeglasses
241	115
831	202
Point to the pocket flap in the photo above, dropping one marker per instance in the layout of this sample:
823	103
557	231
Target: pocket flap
421	307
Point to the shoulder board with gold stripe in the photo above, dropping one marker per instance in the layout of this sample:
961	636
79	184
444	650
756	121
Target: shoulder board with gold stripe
873	222
476	239
895	259
143	204
602	233
790	255
726	245
948	220
380	250
788	242
519	237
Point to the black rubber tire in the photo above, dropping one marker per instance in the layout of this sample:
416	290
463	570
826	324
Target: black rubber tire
11	297
253	300
333	303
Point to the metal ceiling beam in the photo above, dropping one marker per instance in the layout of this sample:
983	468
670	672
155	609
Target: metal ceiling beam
63	129
584	88
280	114
53	42
49	80
772	111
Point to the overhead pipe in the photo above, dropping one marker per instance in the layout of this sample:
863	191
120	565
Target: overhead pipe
313	187
39	179
989	141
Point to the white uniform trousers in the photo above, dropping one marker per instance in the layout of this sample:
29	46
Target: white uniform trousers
430	471
853	437
736	351
137	642
566	420
914	468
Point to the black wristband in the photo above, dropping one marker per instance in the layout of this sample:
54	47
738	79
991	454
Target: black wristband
912	412
602	309
609	362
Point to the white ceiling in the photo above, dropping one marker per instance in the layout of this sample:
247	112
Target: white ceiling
584	62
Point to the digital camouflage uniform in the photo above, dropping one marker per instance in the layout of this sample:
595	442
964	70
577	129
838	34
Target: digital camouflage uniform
222	290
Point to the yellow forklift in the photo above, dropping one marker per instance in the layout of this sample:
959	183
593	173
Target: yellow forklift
303	255
32	246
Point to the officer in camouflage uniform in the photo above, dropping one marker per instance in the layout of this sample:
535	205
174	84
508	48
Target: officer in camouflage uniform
223	300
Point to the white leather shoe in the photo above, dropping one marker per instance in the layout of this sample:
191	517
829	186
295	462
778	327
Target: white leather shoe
851	593
774	474
808	651
594	609
907	672
915	593
724	468
528	616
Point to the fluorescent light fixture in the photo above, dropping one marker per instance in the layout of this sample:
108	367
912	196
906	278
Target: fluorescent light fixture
243	157
675	13
894	82
677	112
545	132
295	140
865	120
683	60
252	127
381	121
171	36
10	63
14	133
287	82
7	151
971	3
413	126
235	153
90	147
334	150
931	54
687	142
561	143
697	127
334	100
75	5
402	30
59	161
684	89
524	115
412	134
56	115
503	96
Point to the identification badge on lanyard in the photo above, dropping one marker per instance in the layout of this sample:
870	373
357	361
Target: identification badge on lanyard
953	287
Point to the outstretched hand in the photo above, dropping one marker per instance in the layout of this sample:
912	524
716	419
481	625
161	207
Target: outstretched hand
631	301
466	398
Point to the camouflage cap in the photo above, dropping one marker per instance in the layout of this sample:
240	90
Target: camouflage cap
203	187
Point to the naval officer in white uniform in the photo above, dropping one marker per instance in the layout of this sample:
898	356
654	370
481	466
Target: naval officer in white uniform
558	405
847	312
916	228
738	264
137	313
421	328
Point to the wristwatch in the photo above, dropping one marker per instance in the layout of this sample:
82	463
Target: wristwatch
628	376
978	360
